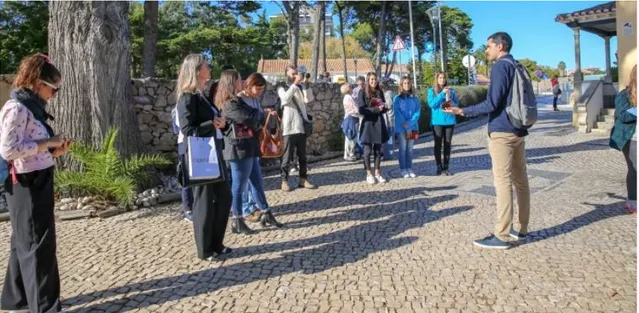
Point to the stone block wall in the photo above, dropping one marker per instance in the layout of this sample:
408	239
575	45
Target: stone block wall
155	98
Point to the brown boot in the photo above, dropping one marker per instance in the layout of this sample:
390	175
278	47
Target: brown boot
254	217
285	186
305	183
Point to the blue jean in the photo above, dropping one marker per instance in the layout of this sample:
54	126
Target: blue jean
388	146
405	152
187	199
243	171
249	205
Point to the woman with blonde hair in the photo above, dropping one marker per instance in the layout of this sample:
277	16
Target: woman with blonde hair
28	144
241	145
198	117
624	137
407	112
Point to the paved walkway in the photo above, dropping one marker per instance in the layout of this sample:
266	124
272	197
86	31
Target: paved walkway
405	246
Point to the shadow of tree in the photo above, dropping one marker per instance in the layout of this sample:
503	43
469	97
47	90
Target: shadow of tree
328	251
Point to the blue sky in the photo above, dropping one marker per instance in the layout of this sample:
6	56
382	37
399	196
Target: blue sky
532	25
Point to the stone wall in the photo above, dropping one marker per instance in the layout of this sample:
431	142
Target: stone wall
154	99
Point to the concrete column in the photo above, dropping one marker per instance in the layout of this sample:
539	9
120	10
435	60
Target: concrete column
577	76
608	69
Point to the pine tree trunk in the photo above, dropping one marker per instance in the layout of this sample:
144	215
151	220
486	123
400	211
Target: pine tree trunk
90	44
315	49
323	35
150	37
340	10
380	33
293	24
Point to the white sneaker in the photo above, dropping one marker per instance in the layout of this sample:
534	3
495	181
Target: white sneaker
380	178
411	174
404	174
19	311
370	179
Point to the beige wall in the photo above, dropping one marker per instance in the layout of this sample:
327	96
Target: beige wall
5	88
626	44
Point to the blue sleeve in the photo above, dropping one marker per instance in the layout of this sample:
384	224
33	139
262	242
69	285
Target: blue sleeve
435	102
497	92
414	119
176	129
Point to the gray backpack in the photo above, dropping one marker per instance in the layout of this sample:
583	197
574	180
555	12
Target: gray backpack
522	111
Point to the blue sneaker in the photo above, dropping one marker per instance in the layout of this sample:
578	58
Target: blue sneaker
188	216
491	242
517	235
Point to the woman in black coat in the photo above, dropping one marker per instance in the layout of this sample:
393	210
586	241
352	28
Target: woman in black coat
241	145
372	130
198	117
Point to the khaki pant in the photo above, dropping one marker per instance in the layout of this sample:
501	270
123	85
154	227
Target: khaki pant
508	154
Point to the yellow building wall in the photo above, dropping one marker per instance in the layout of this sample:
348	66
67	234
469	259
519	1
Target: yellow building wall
626	40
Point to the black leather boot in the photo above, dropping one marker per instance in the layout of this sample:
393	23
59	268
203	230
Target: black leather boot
268	219
440	169
238	226
447	171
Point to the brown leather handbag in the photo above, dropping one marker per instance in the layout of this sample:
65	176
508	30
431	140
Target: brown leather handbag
270	136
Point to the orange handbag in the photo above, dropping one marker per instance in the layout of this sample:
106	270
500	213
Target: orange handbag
270	137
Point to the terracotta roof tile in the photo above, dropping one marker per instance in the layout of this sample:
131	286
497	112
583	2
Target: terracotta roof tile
335	66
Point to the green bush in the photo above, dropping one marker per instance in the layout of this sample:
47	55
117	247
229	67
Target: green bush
467	95
105	173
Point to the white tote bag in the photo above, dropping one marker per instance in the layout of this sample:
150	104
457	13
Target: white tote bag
202	159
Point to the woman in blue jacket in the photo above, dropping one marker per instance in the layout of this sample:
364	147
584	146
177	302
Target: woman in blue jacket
407	110
443	123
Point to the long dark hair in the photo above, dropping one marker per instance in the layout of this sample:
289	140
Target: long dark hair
436	87
226	88
370	92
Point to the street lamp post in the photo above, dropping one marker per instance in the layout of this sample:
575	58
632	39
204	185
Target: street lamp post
435	16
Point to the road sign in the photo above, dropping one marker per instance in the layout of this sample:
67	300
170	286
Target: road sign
399	44
468	61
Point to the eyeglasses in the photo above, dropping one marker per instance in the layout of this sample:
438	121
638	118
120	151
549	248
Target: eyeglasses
53	87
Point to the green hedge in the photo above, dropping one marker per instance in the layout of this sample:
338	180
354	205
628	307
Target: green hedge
467	95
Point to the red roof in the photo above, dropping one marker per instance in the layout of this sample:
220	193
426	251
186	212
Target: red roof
334	66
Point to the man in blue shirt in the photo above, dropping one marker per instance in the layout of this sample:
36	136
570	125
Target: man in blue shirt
506	145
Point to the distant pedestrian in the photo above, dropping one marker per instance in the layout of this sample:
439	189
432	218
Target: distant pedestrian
556	91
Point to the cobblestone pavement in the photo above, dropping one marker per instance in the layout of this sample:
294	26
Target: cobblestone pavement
405	246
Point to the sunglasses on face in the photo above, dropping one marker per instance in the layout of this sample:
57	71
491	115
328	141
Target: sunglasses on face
52	86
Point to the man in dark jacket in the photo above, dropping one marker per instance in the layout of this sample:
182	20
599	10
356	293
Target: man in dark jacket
506	145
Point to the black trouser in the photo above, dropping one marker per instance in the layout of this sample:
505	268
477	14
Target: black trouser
445	134
630	154
554	101
293	143
211	207
32	281
376	150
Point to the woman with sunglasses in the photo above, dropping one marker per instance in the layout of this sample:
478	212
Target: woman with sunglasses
28	144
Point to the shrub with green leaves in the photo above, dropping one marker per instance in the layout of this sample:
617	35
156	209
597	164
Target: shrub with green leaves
467	96
105	173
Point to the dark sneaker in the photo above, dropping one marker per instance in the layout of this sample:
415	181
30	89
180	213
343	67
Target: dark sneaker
517	235
188	216
491	242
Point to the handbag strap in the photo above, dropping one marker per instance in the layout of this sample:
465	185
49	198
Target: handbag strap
297	106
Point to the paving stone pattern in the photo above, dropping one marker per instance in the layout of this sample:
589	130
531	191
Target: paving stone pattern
405	246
